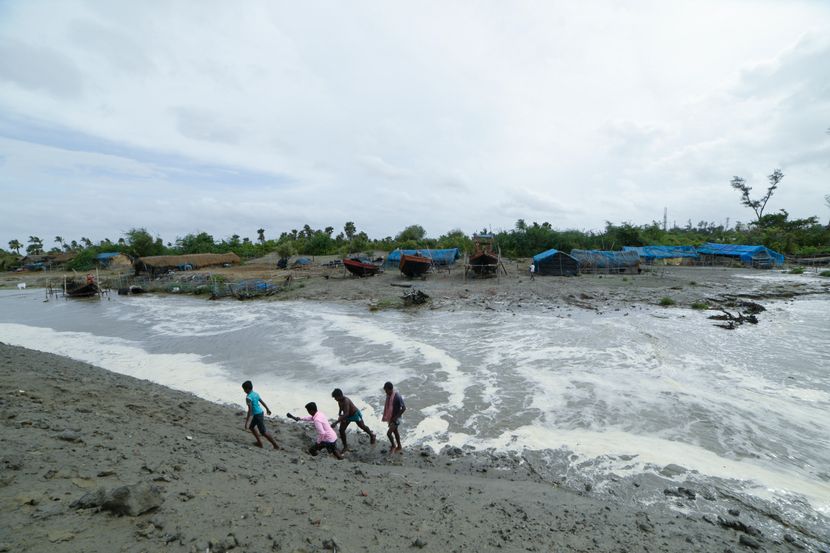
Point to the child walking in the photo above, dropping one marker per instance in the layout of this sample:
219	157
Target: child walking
255	419
349	413
326	438
392	412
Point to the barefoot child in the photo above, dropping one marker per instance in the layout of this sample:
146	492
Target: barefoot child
326	438
349	413
256	418
392	412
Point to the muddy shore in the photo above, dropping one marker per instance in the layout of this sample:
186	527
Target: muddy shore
449	288
75	435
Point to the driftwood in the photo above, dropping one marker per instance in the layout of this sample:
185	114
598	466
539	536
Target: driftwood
734	321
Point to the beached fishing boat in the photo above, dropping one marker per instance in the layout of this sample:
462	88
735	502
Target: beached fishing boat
483	260
361	268
415	265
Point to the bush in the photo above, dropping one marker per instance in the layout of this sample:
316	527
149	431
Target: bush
666	301
797	270
699	305
824	274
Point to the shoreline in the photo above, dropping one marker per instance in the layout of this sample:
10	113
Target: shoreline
217	489
687	287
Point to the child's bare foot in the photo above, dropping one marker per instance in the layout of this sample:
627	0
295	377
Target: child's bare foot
399	449
392	449
373	438
276	446
258	444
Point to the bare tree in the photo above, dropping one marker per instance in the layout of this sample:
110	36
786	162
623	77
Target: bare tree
758	205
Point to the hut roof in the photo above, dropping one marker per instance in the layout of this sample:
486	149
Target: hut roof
744	252
195	260
605	259
663	252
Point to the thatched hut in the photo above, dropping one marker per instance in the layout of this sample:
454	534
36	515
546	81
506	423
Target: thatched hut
113	260
158	264
756	256
604	261
556	263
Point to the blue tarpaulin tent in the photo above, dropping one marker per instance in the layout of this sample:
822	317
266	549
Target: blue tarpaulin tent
554	262
439	257
603	260
651	253
755	256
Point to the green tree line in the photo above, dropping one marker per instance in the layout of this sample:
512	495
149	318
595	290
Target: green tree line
777	231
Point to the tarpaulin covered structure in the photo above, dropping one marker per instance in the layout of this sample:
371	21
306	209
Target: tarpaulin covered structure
556	263
674	255
439	257
591	261
760	257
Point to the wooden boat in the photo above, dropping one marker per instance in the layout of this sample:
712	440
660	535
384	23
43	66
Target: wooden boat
414	265
361	268
484	261
84	290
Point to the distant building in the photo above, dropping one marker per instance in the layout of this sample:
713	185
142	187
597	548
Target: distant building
556	263
113	260
759	257
604	261
160	264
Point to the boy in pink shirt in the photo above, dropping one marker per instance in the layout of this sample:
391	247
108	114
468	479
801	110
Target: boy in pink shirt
326	438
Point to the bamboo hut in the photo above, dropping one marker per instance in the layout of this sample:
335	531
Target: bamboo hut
160	264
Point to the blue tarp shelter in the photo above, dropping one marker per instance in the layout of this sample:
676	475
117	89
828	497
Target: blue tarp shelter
439	257
554	262
651	253
754	256
301	261
606	261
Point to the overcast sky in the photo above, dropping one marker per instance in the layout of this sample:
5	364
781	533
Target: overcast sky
226	117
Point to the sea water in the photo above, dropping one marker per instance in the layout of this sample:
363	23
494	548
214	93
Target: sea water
638	388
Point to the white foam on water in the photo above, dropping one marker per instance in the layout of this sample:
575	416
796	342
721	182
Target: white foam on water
181	371
185	316
455	383
657	451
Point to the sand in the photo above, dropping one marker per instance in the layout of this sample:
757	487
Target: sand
69	429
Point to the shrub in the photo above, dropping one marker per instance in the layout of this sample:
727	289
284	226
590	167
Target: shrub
699	305
665	301
796	270
824	274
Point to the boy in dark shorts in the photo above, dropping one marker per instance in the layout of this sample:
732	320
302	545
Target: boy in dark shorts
255	419
326	438
392	411
348	414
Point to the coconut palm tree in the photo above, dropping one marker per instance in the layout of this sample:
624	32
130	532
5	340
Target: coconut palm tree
15	245
261	233
59	241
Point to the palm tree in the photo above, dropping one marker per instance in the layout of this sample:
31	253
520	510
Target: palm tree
15	245
86	242
59	241
261	233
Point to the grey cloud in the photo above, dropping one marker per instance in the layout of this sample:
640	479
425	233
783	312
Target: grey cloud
203	125
39	68
115	46
378	167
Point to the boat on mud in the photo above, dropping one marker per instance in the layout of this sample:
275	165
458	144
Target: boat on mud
484	261
361	268
415	265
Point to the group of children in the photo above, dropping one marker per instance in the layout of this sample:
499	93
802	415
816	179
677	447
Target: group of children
326	437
